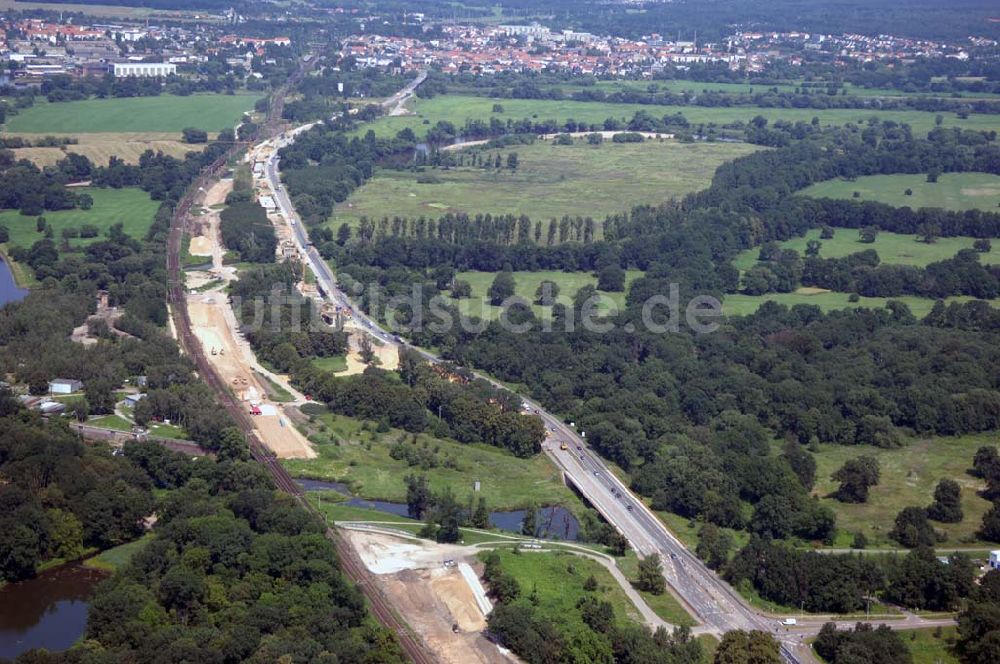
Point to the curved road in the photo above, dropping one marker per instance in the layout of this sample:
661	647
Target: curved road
706	595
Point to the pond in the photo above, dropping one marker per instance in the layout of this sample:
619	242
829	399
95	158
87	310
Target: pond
554	522
9	292
49	611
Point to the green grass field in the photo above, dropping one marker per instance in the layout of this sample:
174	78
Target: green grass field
335	363
908	477
362	461
130	206
166	113
952	191
526	285
738	304
457	109
559	579
117	557
551	181
926	648
111	422
892	248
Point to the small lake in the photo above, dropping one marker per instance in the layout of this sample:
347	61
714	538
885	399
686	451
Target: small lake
553	522
9	292
49	611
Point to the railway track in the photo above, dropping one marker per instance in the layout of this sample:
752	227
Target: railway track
350	562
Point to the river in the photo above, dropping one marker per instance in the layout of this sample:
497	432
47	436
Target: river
553	522
9	292
49	611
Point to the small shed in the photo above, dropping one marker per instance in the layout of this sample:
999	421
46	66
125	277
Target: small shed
65	386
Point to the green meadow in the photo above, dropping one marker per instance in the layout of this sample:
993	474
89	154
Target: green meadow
165	113
738	304
892	248
908	477
358	456
550	181
457	109
129	206
557	579
527	283
952	191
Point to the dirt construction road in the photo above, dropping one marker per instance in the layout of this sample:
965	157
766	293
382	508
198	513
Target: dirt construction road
213	322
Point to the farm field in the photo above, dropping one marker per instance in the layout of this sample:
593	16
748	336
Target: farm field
550	181
892	248
738	304
129	206
908	477
952	191
360	457
127	146
526	285
166	113
457	109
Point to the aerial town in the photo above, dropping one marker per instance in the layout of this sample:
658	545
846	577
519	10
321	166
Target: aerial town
35	48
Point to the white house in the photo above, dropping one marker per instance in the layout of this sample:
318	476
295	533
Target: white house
995	559
65	386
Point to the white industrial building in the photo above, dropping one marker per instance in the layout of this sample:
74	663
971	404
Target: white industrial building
144	69
65	386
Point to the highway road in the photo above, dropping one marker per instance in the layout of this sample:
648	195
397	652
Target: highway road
710	599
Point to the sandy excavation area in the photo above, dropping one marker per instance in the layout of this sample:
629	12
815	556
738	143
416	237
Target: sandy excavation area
387	354
212	327
436	601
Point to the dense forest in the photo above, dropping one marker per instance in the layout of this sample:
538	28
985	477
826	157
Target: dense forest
234	572
60	497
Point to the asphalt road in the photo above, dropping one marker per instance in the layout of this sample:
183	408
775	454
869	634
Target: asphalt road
712	601
709	598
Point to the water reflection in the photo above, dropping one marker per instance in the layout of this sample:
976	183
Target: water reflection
553	522
49	611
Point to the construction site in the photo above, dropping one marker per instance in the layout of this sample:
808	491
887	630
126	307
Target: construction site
217	330
436	589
